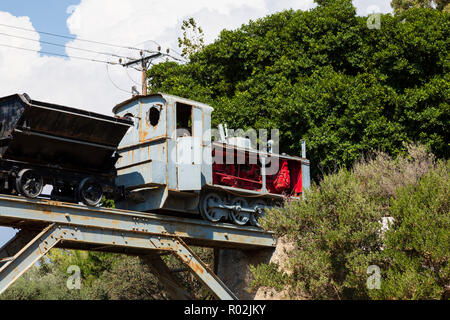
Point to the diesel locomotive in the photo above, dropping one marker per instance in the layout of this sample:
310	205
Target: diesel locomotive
158	153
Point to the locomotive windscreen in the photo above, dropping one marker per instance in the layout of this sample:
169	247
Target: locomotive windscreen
49	134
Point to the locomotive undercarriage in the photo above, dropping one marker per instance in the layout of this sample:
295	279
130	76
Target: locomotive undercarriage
240	209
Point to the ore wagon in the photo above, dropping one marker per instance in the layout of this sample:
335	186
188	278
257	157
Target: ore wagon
72	150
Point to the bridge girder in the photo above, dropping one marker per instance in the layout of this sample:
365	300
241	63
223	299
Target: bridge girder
46	224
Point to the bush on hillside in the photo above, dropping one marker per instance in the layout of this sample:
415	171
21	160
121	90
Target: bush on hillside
337	232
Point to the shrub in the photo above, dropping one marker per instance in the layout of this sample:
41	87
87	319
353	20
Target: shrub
418	243
337	231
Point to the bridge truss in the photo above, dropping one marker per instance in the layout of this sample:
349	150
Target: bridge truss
45	224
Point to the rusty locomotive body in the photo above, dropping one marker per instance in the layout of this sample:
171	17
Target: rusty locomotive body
158	153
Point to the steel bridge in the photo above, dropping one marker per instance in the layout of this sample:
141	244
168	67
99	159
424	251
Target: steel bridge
46	224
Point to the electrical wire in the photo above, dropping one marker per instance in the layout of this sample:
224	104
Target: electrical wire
60	55
113	83
96	42
126	70
76	38
178	59
64	46
107	63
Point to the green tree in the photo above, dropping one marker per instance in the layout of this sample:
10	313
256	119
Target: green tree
402	5
323	76
193	38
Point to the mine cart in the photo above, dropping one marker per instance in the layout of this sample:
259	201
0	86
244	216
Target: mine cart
72	150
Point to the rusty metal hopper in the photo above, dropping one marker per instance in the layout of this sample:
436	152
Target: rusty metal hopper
48	134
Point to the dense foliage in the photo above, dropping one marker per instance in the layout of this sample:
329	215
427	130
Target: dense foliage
104	276
324	76
338	232
402	5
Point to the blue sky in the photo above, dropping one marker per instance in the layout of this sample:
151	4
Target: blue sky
45	15
6	234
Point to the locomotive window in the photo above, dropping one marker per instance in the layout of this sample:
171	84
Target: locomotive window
184	120
153	116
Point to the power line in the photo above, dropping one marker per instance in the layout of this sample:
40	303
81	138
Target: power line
93	41
60	55
76	38
178	59
107	63
144	60
129	77
64	46
113	83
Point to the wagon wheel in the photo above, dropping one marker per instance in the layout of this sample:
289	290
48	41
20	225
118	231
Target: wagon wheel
29	183
90	192
237	215
259	207
208	207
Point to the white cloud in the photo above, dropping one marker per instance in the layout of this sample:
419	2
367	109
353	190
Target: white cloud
85	84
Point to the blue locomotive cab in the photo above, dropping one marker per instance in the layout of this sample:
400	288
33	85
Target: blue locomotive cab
161	160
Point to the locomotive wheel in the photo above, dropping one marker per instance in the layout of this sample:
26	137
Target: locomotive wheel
90	192
239	217
259	207
208	210
29	183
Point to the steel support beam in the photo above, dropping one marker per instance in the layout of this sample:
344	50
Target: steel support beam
68	234
192	231
202	272
27	256
73	226
165	275
20	240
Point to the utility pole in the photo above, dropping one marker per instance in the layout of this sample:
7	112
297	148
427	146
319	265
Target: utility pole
144	62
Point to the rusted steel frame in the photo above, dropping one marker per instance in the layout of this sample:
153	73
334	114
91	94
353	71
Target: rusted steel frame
10	249
134	240
134	164
247	192
202	272
77	112
48	211
54	233
107	238
28	256
165	275
63	172
152	242
26	132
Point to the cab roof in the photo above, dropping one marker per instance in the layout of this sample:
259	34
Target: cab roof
168	98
